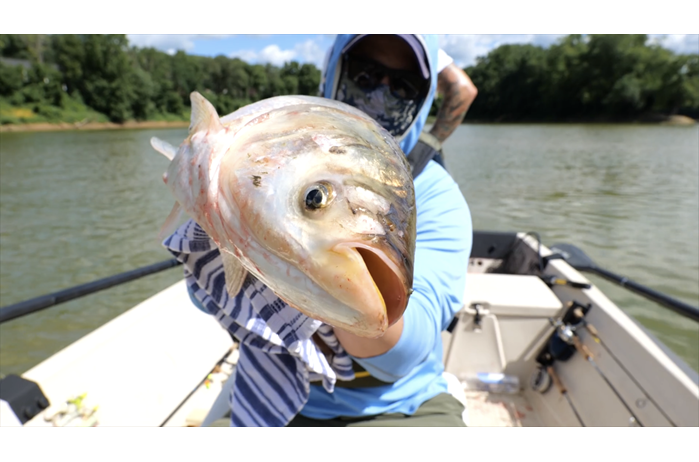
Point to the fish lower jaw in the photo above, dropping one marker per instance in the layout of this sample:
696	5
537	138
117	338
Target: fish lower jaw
384	278
366	328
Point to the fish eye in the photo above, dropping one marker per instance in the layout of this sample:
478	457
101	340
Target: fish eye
318	196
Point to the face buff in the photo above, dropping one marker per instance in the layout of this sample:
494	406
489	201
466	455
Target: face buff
392	113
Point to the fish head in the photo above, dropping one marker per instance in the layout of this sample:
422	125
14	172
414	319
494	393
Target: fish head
317	202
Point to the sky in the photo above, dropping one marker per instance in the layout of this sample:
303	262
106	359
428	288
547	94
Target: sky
310	48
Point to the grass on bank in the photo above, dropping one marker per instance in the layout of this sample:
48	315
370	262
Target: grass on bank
72	112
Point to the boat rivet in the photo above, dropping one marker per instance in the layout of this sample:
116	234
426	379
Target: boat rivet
641	403
632	422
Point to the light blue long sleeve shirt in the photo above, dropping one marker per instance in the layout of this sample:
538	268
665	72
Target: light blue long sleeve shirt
414	365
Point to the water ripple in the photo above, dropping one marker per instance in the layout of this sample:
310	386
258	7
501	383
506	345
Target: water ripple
77	206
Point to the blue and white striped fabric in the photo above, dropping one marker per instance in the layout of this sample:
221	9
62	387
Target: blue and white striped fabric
278	359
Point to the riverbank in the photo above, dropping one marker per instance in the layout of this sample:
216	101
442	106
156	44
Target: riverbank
49	127
674	120
677	120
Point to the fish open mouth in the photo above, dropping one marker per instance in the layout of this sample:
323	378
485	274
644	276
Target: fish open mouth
387	280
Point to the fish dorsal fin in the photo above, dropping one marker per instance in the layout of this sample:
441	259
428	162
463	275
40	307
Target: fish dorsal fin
204	115
234	272
163	147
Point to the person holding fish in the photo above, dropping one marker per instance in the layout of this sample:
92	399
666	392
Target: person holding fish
458	93
322	249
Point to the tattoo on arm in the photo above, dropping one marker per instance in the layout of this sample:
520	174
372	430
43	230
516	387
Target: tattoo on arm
459	92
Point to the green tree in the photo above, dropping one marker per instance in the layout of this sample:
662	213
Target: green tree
565	87
258	83
68	53
11	79
598	76
511	81
276	85
187	76
290	76
14	46
309	80
107	76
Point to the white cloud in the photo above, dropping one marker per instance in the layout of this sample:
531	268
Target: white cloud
168	43
310	52
304	52
275	55
216	35
679	43
248	56
466	48
270	54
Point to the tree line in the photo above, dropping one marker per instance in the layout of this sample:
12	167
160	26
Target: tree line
603	77
596	77
123	82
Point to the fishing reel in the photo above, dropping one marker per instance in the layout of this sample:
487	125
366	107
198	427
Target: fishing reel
561	345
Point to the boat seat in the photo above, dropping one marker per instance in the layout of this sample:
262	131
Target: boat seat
511	295
503	316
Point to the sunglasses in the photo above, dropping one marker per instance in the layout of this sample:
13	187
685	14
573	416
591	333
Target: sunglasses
368	74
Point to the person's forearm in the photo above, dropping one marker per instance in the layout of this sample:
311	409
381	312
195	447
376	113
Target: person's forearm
361	347
459	92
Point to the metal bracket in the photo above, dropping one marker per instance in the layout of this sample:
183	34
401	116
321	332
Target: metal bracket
477	307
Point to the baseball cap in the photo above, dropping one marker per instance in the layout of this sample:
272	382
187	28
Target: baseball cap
411	40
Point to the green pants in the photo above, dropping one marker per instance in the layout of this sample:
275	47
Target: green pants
441	411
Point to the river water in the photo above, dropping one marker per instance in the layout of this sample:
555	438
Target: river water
78	206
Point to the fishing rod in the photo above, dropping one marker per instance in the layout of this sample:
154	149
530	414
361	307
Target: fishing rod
581	262
33	305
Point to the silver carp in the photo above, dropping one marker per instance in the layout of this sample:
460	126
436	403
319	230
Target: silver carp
309	195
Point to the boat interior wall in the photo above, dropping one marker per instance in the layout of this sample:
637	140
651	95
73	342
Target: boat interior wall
492	245
508	252
140	366
639	370
617	376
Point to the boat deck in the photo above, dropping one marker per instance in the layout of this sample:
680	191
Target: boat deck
208	406
498	410
622	377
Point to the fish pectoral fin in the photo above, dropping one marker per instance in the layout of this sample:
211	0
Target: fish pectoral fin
234	271
171	222
204	115
163	147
